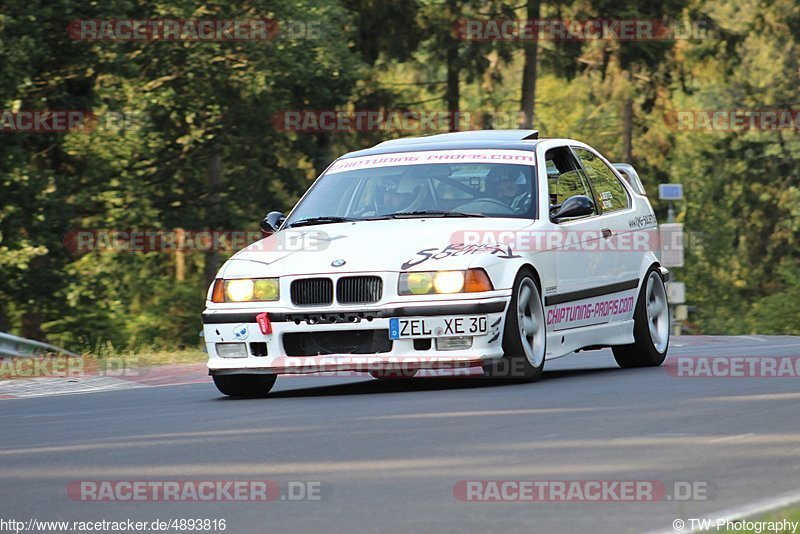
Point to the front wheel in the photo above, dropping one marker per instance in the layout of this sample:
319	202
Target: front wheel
650	329
524	335
244	385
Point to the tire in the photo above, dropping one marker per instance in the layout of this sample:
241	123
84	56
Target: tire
651	326
244	385
524	334
393	374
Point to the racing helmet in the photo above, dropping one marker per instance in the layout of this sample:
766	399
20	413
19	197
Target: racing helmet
394	200
504	173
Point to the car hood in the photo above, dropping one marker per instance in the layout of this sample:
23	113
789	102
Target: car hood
390	245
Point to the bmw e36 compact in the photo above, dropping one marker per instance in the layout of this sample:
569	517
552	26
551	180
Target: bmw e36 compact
493	249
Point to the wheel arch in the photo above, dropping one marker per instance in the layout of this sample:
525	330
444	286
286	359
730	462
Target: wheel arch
653	265
536	277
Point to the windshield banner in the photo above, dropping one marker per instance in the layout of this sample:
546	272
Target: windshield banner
519	157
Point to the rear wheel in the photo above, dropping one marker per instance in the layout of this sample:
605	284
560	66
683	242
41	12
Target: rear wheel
651	327
524	335
244	385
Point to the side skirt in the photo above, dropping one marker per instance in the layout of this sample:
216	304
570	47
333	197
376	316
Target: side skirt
617	333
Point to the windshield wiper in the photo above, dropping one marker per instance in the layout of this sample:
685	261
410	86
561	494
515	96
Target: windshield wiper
321	220
399	215
432	213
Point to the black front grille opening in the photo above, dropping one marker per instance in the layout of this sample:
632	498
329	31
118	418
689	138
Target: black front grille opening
342	342
258	348
422	344
359	289
330	318
312	292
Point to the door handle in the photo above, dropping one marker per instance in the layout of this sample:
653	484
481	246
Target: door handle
606	232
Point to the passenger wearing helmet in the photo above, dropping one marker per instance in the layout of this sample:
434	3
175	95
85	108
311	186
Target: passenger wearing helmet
507	183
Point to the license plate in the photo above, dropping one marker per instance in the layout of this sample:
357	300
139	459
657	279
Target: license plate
424	327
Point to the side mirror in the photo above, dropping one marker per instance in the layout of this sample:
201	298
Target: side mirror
576	206
272	222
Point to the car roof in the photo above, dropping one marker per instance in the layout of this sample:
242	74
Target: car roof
502	139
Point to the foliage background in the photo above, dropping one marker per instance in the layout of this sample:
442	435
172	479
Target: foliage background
203	154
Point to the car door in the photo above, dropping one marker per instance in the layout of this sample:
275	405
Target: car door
583	264
615	206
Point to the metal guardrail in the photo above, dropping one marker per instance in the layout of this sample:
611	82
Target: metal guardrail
14	346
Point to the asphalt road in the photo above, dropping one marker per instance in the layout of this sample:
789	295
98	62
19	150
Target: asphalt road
388	455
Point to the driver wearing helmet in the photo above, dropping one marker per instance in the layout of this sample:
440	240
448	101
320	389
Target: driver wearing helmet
388	199
507	184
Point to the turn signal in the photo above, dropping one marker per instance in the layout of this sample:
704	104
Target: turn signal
477	280
218	293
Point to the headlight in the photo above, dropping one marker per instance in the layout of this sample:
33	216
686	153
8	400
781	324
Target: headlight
266	289
245	290
239	290
416	283
448	281
444	282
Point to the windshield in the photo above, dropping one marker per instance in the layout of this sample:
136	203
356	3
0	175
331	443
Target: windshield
420	189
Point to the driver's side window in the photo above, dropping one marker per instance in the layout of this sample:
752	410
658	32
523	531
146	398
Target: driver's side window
565	178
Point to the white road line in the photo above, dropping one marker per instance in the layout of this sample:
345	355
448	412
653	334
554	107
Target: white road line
708	348
728	438
742	512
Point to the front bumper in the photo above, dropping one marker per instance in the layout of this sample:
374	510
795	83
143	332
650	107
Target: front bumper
227	326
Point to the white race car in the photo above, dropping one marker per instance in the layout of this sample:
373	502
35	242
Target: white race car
492	249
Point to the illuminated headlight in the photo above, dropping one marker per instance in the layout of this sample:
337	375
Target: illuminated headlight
444	282
239	290
448	281
245	290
